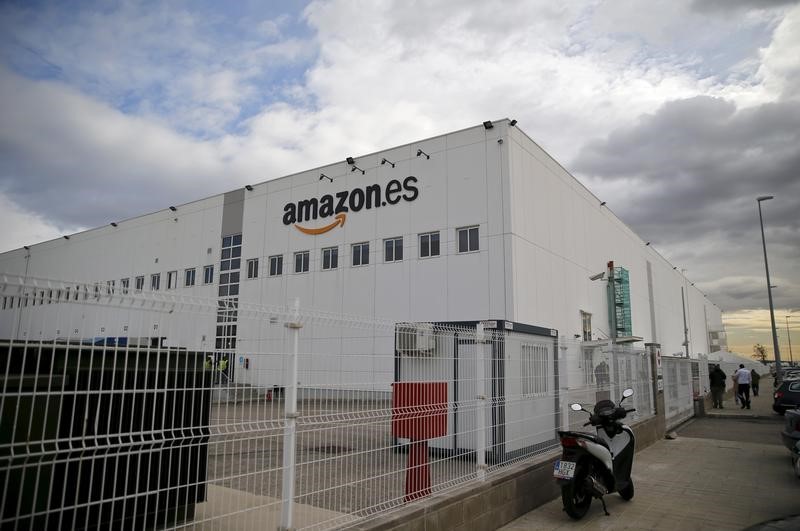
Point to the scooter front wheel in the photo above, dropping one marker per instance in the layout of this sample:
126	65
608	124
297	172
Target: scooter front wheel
627	492
575	496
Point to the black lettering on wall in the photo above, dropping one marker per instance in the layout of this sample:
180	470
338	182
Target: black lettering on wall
307	210
356	199
394	187
341	204
326	206
409	187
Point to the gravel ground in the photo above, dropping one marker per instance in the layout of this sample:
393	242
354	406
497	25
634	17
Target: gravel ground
345	458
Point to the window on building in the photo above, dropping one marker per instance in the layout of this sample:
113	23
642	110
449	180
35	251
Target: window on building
188	277
588	365
110	287
125	283
361	254
301	262
330	258
393	249
228	290
535	370
155	282
276	265
252	268
467	238
429	244
139	284
172	279
586	326
208	274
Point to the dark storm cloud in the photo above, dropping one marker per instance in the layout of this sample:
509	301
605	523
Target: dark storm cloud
81	163
728	5
692	172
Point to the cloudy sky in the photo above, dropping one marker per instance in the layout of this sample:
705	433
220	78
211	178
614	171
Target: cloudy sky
679	113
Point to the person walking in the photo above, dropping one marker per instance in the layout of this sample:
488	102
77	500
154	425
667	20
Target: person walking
222	367
717	380
742	377
754	378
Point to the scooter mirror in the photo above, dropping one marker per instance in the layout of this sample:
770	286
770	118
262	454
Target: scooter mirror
627	392
576	407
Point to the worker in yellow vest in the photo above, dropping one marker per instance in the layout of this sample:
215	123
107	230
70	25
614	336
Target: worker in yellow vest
222	367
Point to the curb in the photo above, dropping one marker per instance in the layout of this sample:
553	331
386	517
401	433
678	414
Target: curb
751	416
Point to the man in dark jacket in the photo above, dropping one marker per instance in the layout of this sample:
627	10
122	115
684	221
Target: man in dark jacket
716	379
754	378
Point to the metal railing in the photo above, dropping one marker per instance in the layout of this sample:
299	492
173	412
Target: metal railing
115	413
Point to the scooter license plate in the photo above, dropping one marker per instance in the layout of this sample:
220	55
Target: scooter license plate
564	469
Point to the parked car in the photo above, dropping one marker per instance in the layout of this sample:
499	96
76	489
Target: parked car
791	437
791	429
787	396
791	374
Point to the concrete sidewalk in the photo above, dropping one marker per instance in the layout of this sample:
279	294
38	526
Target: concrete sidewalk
689	483
760	406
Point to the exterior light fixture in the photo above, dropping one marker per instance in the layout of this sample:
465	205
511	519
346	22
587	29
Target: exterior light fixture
173	209
113	224
602	203
66	237
488	125
351	161
512	123
384	161
323	176
420	152
646	244
28	249
248	188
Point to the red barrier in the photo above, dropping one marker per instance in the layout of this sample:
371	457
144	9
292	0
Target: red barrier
419	413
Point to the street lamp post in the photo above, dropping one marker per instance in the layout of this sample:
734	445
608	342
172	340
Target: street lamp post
778	378
789	337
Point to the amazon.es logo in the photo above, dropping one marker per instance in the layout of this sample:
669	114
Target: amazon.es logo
338	204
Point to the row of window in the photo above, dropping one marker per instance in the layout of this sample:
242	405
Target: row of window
466	242
189	278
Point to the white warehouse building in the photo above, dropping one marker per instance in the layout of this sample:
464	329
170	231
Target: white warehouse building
478	224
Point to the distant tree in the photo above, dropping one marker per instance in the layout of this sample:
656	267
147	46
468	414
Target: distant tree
760	353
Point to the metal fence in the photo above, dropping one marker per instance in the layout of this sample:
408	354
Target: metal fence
678	389
129	410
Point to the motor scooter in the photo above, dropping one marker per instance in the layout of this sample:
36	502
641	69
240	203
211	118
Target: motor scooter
592	466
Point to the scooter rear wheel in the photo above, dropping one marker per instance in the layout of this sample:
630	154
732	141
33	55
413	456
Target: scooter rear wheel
575	496
627	492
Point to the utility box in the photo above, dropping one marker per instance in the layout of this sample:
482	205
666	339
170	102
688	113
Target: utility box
98	437
515	368
419	410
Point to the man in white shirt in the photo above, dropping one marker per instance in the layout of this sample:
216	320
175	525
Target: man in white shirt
743	378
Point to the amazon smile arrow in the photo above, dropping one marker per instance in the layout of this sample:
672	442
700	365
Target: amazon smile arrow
340	219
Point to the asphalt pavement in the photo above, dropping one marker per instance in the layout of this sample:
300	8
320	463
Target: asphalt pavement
725	471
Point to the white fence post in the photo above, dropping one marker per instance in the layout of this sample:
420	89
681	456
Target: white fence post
290	430
480	416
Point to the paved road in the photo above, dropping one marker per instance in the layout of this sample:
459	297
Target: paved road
719	474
